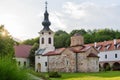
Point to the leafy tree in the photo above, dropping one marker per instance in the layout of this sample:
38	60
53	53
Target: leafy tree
61	39
81	31
31	41
6	42
59	32
32	54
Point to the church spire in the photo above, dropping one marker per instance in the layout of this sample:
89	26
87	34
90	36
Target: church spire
46	23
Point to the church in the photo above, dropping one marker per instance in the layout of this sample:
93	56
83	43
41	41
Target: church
76	58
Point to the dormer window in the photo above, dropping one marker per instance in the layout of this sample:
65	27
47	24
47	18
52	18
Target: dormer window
99	47
107	46
118	45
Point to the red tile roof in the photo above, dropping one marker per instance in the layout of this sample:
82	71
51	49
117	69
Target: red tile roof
22	51
76	49
106	45
56	52
79	49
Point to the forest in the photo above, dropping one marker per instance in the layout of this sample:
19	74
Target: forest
62	38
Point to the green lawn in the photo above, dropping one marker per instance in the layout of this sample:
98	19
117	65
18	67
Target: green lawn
111	75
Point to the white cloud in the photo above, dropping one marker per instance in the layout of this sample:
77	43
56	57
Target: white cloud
23	18
89	15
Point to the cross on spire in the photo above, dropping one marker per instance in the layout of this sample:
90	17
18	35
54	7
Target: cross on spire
46	5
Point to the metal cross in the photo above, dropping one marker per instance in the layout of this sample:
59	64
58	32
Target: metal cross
46	5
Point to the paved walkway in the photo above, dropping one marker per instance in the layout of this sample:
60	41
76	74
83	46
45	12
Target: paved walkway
34	77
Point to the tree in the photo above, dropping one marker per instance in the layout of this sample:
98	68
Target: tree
32	54
6	42
61	39
31	41
81	31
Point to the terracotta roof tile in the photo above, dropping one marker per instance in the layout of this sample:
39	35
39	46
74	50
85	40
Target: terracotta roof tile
79	49
106	45
55	52
22	51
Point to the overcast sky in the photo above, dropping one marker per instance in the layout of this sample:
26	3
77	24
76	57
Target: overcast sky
22	18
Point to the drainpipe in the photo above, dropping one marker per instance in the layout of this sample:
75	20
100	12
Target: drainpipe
76	57
48	63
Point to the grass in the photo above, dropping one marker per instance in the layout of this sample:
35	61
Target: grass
10	71
109	75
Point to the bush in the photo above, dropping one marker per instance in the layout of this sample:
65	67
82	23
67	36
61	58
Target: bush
10	71
54	75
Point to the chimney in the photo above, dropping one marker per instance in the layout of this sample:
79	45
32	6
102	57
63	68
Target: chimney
115	44
95	44
115	41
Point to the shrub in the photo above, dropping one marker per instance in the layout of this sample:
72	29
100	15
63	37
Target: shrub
54	75
10	71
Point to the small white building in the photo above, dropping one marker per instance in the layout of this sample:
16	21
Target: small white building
45	44
109	54
22	55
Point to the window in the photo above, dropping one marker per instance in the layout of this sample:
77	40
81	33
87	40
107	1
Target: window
49	32
42	32
67	62
49	40
105	56
24	63
19	63
38	57
118	45
45	63
115	55
42	41
108	46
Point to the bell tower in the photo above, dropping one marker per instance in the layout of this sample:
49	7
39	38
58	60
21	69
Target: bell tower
46	40
46	44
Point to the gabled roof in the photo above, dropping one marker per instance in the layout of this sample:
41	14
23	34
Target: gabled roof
79	49
55	52
92	55
22	51
106	45
76	49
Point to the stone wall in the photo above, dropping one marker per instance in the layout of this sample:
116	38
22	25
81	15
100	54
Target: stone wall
69	61
62	63
86	64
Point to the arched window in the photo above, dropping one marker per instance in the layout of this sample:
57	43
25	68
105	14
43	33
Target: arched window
49	40
42	41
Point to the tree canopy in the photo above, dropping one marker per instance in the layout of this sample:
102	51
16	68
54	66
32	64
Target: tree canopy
62	38
6	42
